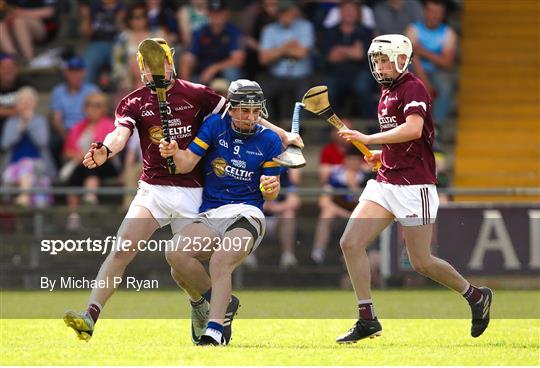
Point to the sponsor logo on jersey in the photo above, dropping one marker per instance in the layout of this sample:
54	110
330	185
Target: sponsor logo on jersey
183	107
258	153
156	134
238	141
239	163
175	122
221	168
180	132
218	166
223	143
387	119
146	113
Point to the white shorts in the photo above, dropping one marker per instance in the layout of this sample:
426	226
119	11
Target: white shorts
177	206
221	218
412	205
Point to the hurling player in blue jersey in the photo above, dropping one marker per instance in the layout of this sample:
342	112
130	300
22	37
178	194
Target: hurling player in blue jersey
240	175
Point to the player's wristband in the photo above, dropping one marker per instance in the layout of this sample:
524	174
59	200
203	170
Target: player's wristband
100	144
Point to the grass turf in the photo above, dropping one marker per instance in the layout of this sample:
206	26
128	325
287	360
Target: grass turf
284	341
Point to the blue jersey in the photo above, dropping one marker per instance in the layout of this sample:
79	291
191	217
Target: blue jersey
234	163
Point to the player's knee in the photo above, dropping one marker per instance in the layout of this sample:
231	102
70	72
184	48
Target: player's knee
422	266
122	256
346	244
220	264
173	257
178	278
349	244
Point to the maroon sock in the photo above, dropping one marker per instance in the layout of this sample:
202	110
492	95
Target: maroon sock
94	311
473	295
366	310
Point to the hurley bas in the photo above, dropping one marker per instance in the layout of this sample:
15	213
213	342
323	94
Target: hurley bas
71	282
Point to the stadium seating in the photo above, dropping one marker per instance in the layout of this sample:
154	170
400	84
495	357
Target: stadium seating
498	135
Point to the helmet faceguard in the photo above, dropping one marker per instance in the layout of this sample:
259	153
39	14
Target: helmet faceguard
246	105
392	46
146	74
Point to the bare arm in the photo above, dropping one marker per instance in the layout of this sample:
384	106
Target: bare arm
12	133
355	51
268	56
7	111
185	26
446	59
417	65
39	13
185	160
287	138
236	59
86	21
187	62
115	141
296	50
409	131
57	123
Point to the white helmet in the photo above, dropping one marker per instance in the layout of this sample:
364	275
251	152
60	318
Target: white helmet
390	45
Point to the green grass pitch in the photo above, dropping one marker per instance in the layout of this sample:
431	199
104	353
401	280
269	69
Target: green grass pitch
283	338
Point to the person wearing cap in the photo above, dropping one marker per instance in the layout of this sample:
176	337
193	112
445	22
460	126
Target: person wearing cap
215	49
285	48
68	97
67	102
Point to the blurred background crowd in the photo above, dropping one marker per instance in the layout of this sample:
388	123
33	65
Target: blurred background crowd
65	65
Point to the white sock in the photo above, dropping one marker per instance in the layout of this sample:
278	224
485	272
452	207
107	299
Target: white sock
215	334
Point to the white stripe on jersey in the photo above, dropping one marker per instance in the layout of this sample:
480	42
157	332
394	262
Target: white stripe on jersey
124	119
218	106
415	103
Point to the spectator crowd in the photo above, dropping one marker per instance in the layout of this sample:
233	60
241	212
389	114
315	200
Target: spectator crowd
286	45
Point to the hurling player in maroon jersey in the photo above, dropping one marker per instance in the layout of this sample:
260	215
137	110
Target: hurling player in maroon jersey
404	190
162	198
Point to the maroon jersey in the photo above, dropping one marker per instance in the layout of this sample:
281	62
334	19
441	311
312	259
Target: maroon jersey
407	163
189	104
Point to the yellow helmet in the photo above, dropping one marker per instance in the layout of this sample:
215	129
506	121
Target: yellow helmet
169	53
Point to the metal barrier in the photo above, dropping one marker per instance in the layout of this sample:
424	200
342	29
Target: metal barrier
306	192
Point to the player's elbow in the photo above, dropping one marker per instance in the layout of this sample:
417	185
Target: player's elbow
417	133
414	128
